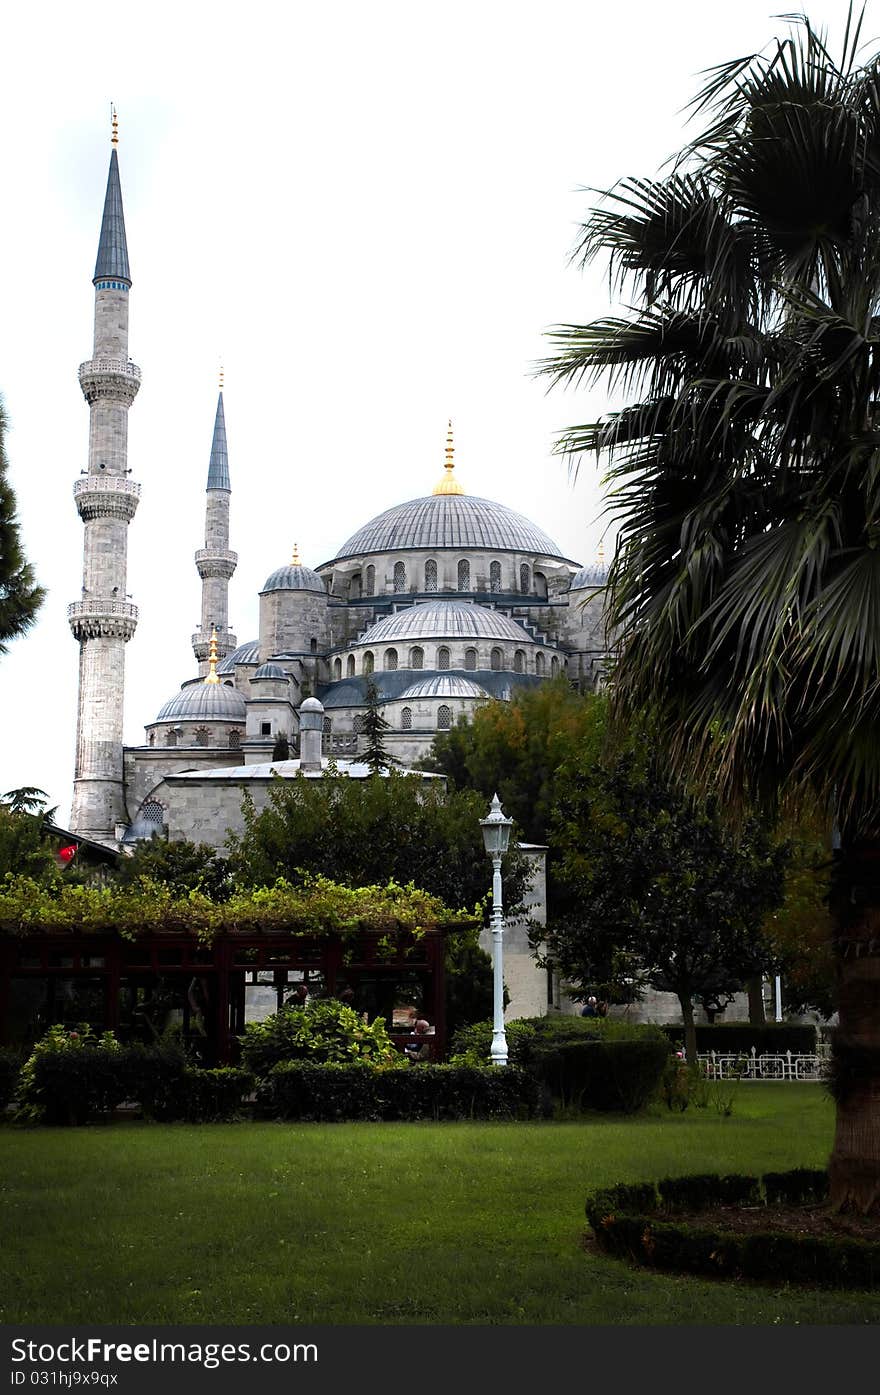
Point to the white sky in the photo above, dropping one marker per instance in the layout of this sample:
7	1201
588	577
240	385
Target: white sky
365	211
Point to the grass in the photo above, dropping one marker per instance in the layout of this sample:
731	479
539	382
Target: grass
363	1223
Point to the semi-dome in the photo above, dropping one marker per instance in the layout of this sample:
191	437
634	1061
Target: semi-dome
458	521
294	577
448	685
445	620
247	653
269	671
595	574
205	702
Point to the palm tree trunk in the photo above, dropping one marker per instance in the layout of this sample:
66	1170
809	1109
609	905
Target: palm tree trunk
854	1166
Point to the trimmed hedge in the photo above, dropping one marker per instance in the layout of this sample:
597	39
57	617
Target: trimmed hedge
305	1091
738	1038
10	1065
71	1087
634	1222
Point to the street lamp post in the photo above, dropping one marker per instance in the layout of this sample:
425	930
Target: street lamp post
496	835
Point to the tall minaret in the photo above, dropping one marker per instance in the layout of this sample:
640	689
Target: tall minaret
214	562
104	619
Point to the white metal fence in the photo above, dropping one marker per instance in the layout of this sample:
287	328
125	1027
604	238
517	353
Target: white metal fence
789	1065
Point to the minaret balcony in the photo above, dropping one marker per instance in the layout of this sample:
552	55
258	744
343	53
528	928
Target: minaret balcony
102	619
115	378
216	562
106	496
201	643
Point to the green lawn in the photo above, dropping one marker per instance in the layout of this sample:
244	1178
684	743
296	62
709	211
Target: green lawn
386	1223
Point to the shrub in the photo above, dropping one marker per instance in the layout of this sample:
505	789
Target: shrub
303	1090
738	1038
323	1030
10	1065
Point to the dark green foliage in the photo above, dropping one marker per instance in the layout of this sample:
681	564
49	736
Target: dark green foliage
281	748
198	1096
738	1038
69	1087
10	1065
321	1031
304	1091
182	866
25	847
374	728
635	1223
20	596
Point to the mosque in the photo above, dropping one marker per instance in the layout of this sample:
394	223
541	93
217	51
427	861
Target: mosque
438	604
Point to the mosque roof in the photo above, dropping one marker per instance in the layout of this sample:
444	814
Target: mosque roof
269	671
215	702
446	685
218	468
247	653
445	620
294	577
595	574
112	247
449	521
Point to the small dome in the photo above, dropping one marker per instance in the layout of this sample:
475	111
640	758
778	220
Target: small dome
209	702
269	671
447	686
445	620
294	577
594	575
311	705
248	653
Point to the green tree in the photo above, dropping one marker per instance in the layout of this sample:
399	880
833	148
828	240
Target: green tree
745	587
182	866
25	848
374	728
658	891
20	596
281	749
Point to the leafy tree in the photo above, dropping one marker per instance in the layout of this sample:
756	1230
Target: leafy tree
375	726
181	866
25	848
20	596
515	749
745	587
659	890
281	749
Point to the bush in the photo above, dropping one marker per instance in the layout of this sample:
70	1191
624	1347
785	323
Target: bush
738	1038
303	1090
10	1065
583	1063
322	1031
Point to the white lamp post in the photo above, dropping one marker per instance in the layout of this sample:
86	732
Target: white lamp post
496	835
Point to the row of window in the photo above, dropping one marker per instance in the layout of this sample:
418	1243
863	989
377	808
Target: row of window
202	738
110	286
463	577
390	661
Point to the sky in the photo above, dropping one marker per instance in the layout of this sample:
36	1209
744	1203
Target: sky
365	213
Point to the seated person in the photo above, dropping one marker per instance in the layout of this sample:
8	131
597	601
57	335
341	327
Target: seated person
418	1049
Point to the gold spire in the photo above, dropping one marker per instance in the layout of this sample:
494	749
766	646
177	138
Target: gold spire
294	561
114	126
211	675
601	552
448	484
221	378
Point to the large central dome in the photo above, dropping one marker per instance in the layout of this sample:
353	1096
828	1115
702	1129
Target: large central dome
455	521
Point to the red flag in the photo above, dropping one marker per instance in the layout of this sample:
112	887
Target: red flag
67	854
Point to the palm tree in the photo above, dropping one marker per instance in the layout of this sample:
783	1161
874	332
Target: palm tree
745	479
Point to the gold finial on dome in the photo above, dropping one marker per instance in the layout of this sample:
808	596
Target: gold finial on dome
211	675
221	377
448	484
294	561
114	126
601	552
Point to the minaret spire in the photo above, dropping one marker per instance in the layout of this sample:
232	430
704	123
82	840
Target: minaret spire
104	619
215	562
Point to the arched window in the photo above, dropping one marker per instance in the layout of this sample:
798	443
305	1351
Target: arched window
525	579
370	582
470	659
431	575
495	577
464	575
406	719
369	662
201	736
442	657
228	683
540	665
171	738
354	587
444	717
350	666
417	657
358	724
554	666
151	811
337	668
326	726
152	738
234	740
497	659
399	576
541	586
519	661
390	660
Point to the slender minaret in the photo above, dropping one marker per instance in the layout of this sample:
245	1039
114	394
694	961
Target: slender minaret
104	619
214	562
